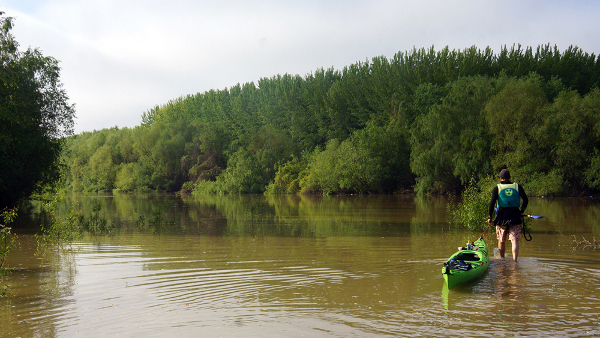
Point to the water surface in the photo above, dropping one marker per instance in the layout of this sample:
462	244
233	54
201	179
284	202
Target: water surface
290	267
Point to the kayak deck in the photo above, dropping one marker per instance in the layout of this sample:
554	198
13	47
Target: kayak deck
466	265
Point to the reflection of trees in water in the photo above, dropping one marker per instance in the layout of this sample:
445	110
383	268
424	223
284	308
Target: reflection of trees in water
30	217
565	214
285	267
145	213
43	287
424	215
291	215
256	215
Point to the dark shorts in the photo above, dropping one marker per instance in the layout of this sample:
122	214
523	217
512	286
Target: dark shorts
508	217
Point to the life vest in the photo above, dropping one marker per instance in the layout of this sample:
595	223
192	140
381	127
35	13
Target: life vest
508	196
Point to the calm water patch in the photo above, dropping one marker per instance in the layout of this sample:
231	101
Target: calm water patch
288	267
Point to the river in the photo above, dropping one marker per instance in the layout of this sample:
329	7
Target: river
255	266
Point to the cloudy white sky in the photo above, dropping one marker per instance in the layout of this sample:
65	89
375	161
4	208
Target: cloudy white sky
120	58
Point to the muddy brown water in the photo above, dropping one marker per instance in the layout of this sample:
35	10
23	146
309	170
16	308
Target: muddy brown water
252	266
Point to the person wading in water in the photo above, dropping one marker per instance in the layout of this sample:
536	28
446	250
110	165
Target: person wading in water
506	200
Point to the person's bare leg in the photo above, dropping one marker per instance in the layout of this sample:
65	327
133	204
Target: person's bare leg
502	244
515	250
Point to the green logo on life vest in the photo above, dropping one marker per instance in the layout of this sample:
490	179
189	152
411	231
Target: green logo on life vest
508	195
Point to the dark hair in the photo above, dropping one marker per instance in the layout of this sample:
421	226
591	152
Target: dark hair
505	174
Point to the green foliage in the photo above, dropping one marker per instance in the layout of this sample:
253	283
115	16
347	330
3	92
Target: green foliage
288	177
8	240
389	147
592	174
251	168
425	96
34	114
550	145
471	211
62	229
544	184
5	291
242	175
451	142
425	120
591	109
204	158
374	159
515	117
341	168
327	169
101	173
96	223
127	177
67	227
187	187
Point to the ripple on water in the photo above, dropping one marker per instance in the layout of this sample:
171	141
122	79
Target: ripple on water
535	296
310	288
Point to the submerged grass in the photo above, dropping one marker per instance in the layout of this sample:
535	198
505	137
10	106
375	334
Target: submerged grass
69	228
62	229
8	242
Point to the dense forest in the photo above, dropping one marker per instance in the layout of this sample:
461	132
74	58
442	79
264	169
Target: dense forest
426	121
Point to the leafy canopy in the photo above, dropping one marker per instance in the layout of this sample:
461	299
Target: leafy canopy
34	114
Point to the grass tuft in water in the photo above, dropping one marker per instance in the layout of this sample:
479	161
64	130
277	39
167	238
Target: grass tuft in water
8	242
62	229
471	211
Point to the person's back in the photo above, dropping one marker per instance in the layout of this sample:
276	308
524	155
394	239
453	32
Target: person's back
506	202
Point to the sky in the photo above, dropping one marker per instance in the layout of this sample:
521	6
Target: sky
121	58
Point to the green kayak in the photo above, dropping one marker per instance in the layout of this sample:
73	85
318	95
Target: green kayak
466	265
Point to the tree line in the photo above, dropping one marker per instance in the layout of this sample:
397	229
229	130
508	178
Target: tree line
425	120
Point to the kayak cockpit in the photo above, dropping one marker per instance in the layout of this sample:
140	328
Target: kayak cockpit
467	256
